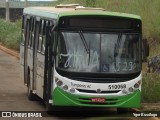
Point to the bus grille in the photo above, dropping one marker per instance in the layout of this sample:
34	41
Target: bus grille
100	80
94	91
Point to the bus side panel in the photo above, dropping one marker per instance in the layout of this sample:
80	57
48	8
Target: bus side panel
22	49
22	61
30	65
40	74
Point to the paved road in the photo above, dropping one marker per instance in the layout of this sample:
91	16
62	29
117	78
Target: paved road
13	94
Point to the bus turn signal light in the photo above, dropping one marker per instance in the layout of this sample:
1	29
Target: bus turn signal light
58	82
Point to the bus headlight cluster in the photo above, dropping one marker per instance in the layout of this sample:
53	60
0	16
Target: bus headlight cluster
59	83
137	85
72	90
63	86
130	89
124	91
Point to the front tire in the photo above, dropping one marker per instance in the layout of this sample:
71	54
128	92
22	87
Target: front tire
49	108
123	110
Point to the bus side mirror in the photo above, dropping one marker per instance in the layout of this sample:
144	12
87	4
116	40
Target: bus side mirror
145	50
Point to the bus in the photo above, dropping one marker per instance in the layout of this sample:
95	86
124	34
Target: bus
75	56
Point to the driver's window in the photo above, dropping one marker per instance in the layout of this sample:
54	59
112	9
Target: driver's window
61	50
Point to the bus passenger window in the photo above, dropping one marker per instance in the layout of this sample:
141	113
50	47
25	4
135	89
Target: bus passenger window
39	43
43	36
40	36
27	32
44	28
43	46
24	24
37	35
32	31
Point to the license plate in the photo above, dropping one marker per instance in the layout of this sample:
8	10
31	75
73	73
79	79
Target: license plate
98	100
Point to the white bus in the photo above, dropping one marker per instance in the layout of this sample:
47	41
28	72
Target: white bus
82	57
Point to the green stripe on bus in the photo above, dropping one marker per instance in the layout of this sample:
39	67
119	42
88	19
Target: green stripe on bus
62	98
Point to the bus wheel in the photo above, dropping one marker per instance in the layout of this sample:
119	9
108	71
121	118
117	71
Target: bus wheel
123	110
49	108
30	94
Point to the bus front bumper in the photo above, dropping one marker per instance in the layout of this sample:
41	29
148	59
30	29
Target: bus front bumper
62	98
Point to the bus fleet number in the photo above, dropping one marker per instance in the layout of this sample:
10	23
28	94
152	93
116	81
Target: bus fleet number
114	87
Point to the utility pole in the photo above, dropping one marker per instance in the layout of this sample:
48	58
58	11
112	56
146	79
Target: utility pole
7	11
26	3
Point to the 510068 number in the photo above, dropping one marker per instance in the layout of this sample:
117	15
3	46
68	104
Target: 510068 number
115	87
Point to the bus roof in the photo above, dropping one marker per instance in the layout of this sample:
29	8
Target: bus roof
55	13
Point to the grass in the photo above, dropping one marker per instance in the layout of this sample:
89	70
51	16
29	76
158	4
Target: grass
150	88
10	34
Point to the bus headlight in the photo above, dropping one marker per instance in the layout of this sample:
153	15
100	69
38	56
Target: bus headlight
130	89
124	91
58	82
137	84
65	87
72	90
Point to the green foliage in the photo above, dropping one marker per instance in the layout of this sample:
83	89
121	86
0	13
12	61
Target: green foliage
150	88
10	34
90	3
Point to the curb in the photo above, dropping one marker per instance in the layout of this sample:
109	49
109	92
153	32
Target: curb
10	51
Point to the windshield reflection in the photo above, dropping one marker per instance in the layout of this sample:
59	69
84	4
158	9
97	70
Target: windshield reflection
98	52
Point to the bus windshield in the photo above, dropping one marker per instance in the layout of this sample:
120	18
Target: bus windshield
98	52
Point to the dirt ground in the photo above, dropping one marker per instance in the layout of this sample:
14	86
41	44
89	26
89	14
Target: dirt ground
150	106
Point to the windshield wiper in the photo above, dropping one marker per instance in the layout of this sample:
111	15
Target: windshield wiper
84	41
87	48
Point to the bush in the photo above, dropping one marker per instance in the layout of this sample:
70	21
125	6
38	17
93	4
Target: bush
150	88
10	34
